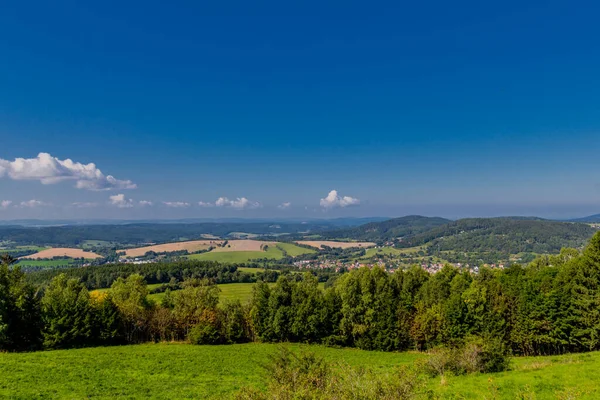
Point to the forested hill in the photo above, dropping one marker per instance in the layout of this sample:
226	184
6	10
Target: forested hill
510	235
388	230
591	218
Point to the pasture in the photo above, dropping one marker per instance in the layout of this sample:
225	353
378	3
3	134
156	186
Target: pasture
63	252
23	262
174	370
339	245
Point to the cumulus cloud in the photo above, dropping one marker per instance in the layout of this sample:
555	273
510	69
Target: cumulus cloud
5	203
84	205
119	200
284	206
145	203
239	204
333	200
50	170
176	204
33	204
205	204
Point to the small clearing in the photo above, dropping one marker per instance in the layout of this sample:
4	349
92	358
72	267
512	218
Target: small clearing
191	246
340	245
63	252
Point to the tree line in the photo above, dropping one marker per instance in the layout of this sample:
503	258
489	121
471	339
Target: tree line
551	306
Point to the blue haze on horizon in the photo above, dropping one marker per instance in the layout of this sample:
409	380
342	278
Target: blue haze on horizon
434	108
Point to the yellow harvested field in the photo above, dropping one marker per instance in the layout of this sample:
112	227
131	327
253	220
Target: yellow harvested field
63	252
340	245
244	245
191	246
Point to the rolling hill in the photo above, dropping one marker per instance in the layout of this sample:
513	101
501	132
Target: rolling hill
387	230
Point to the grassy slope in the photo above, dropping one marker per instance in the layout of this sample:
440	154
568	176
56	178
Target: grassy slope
153	371
161	371
294	250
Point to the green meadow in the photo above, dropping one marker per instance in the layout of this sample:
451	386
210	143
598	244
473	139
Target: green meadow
272	253
46	263
167	371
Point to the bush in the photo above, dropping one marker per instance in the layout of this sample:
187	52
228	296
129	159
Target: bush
306	376
476	355
204	332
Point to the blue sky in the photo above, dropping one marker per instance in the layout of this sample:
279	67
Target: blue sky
436	108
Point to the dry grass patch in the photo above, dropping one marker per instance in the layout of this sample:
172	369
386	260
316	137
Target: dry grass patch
340	245
62	252
191	246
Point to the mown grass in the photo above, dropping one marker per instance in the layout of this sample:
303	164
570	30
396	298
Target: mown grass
251	270
272	253
294	251
174	371
46	263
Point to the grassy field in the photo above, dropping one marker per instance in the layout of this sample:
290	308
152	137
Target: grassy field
166	371
272	253
45	263
23	248
294	250
251	270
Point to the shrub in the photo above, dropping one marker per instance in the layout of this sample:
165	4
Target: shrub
476	355
204	332
306	376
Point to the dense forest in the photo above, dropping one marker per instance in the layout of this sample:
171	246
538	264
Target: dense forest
549	307
510	235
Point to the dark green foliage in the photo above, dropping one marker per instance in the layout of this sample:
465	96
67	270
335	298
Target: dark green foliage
68	314
20	314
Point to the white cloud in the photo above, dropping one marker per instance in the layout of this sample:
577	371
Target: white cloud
84	205
284	206
50	170
205	204
33	204
5	204
176	204
119	200
145	203
239	204
333	200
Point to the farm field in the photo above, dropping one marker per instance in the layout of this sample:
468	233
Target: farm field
341	245
46	263
63	252
239	257
293	250
167	371
191	246
23	248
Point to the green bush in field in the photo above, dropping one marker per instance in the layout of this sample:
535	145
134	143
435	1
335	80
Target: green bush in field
306	376
475	355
